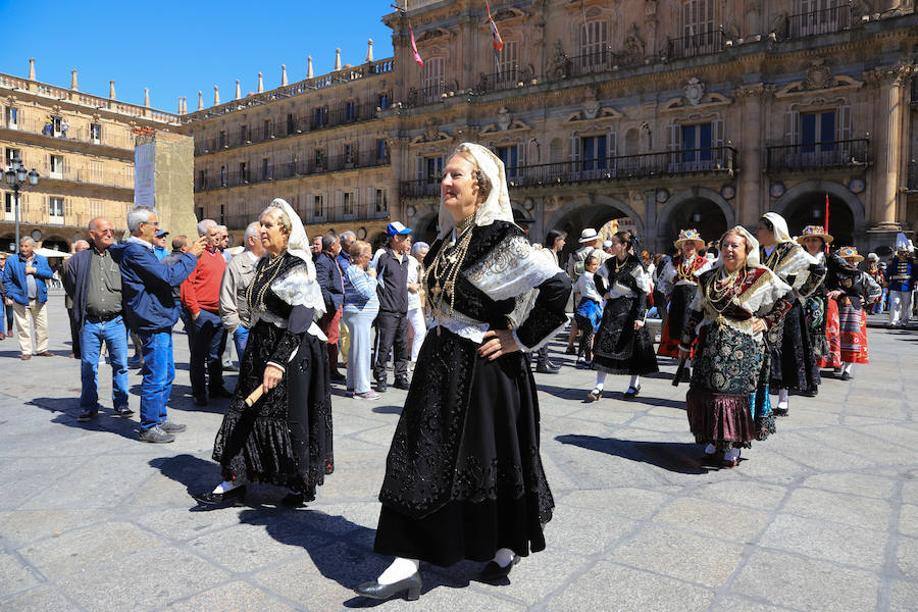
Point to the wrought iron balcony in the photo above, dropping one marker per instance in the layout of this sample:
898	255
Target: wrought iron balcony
815	23
426	95
509	78
829	154
706	43
291	169
619	168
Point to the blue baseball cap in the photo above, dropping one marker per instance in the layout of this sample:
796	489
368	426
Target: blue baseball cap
161	233
397	229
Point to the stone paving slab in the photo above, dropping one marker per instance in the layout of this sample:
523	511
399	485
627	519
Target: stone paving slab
822	516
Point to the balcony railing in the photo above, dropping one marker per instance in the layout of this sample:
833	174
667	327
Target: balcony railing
619	168
828	154
291	169
508	78
823	21
426	95
283	129
706	43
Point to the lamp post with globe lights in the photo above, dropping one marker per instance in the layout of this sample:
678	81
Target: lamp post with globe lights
16	176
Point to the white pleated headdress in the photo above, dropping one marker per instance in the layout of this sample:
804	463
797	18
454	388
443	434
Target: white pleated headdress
497	206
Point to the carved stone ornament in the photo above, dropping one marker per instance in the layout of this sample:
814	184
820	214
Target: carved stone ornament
590	106
694	91
634	44
818	76
504	118
560	63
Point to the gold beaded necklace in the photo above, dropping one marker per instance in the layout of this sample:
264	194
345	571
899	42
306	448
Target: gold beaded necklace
271	268
685	270
447	264
722	288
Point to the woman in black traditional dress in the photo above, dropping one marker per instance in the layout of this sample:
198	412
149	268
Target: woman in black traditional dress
285	437
793	360
464	479
622	344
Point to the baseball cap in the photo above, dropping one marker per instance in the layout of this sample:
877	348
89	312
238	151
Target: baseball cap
397	229
161	233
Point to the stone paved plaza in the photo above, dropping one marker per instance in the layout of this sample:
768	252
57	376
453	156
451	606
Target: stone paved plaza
823	516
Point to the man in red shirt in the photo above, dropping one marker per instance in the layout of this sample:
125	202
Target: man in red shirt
201	298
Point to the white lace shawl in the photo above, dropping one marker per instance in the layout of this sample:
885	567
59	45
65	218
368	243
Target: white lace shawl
757	300
297	287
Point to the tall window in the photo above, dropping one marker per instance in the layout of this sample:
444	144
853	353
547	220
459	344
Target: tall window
202	179
243	172
699	33
243	134
510	157
265	169
382	101
348	204
509	60
95	133
432	76
8	204
56	167
594	44
594	152
318	206
381	202
291	123
267	127
819	17
95	171
350	110
223	176
696	142
12	154
817	130
12	118
319	117
382	150
56	208
221	139
431	169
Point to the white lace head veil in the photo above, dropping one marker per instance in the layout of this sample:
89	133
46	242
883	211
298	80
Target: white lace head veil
752	247
497	205
779	226
298	243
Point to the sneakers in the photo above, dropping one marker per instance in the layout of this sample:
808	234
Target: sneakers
172	428
123	411
156	435
87	414
370	396
547	368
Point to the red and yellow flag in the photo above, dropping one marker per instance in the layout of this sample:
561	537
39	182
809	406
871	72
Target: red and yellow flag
496	41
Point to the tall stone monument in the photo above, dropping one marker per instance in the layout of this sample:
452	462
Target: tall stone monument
164	179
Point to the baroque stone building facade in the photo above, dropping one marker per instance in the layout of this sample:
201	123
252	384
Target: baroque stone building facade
669	113
83	148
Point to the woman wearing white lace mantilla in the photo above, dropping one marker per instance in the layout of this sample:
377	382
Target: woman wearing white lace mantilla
285	437
464	478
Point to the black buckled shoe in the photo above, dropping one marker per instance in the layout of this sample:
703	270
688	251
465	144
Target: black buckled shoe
632	392
493	572
410	588
402	384
232	497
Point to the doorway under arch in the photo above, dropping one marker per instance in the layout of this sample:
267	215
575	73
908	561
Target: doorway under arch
698	208
574	219
805	205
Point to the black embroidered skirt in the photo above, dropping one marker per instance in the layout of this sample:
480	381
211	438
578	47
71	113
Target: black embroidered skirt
464	476
618	348
793	357
286	437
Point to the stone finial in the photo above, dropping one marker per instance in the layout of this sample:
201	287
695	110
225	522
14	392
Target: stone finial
216	95
31	68
238	90
283	75
179	110
146	97
111	91
200	100
309	72
74	81
370	51
337	59
261	83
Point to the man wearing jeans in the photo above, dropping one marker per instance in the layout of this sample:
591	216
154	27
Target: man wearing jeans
93	284
234	305
391	265
201	298
24	281
151	312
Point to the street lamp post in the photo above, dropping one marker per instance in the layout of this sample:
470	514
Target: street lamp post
16	176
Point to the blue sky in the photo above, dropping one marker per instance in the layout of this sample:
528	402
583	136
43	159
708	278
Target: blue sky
176	48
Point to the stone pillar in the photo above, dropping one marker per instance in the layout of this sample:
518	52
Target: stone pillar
74	80
884	214
751	147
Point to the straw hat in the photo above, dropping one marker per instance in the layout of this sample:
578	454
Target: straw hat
850	253
588	235
815	231
689	235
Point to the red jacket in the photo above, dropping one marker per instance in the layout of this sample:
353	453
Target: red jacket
202	289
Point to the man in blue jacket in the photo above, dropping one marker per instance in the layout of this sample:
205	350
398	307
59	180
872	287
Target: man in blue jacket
151	312
24	281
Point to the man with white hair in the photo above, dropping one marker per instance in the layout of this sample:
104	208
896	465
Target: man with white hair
24	281
223	242
151	312
348	238
234	304
201	298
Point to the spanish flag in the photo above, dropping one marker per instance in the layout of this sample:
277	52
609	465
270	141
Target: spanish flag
496	40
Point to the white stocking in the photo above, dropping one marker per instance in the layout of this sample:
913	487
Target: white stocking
600	380
400	569
225	487
849	367
635	381
782	399
503	557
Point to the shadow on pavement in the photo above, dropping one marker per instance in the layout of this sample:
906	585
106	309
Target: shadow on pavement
387	409
195	473
69	407
679	457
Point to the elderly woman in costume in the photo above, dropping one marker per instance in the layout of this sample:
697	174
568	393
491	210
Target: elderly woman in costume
285	437
854	290
679	281
464	479
793	361
736	302
821	313
623	344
